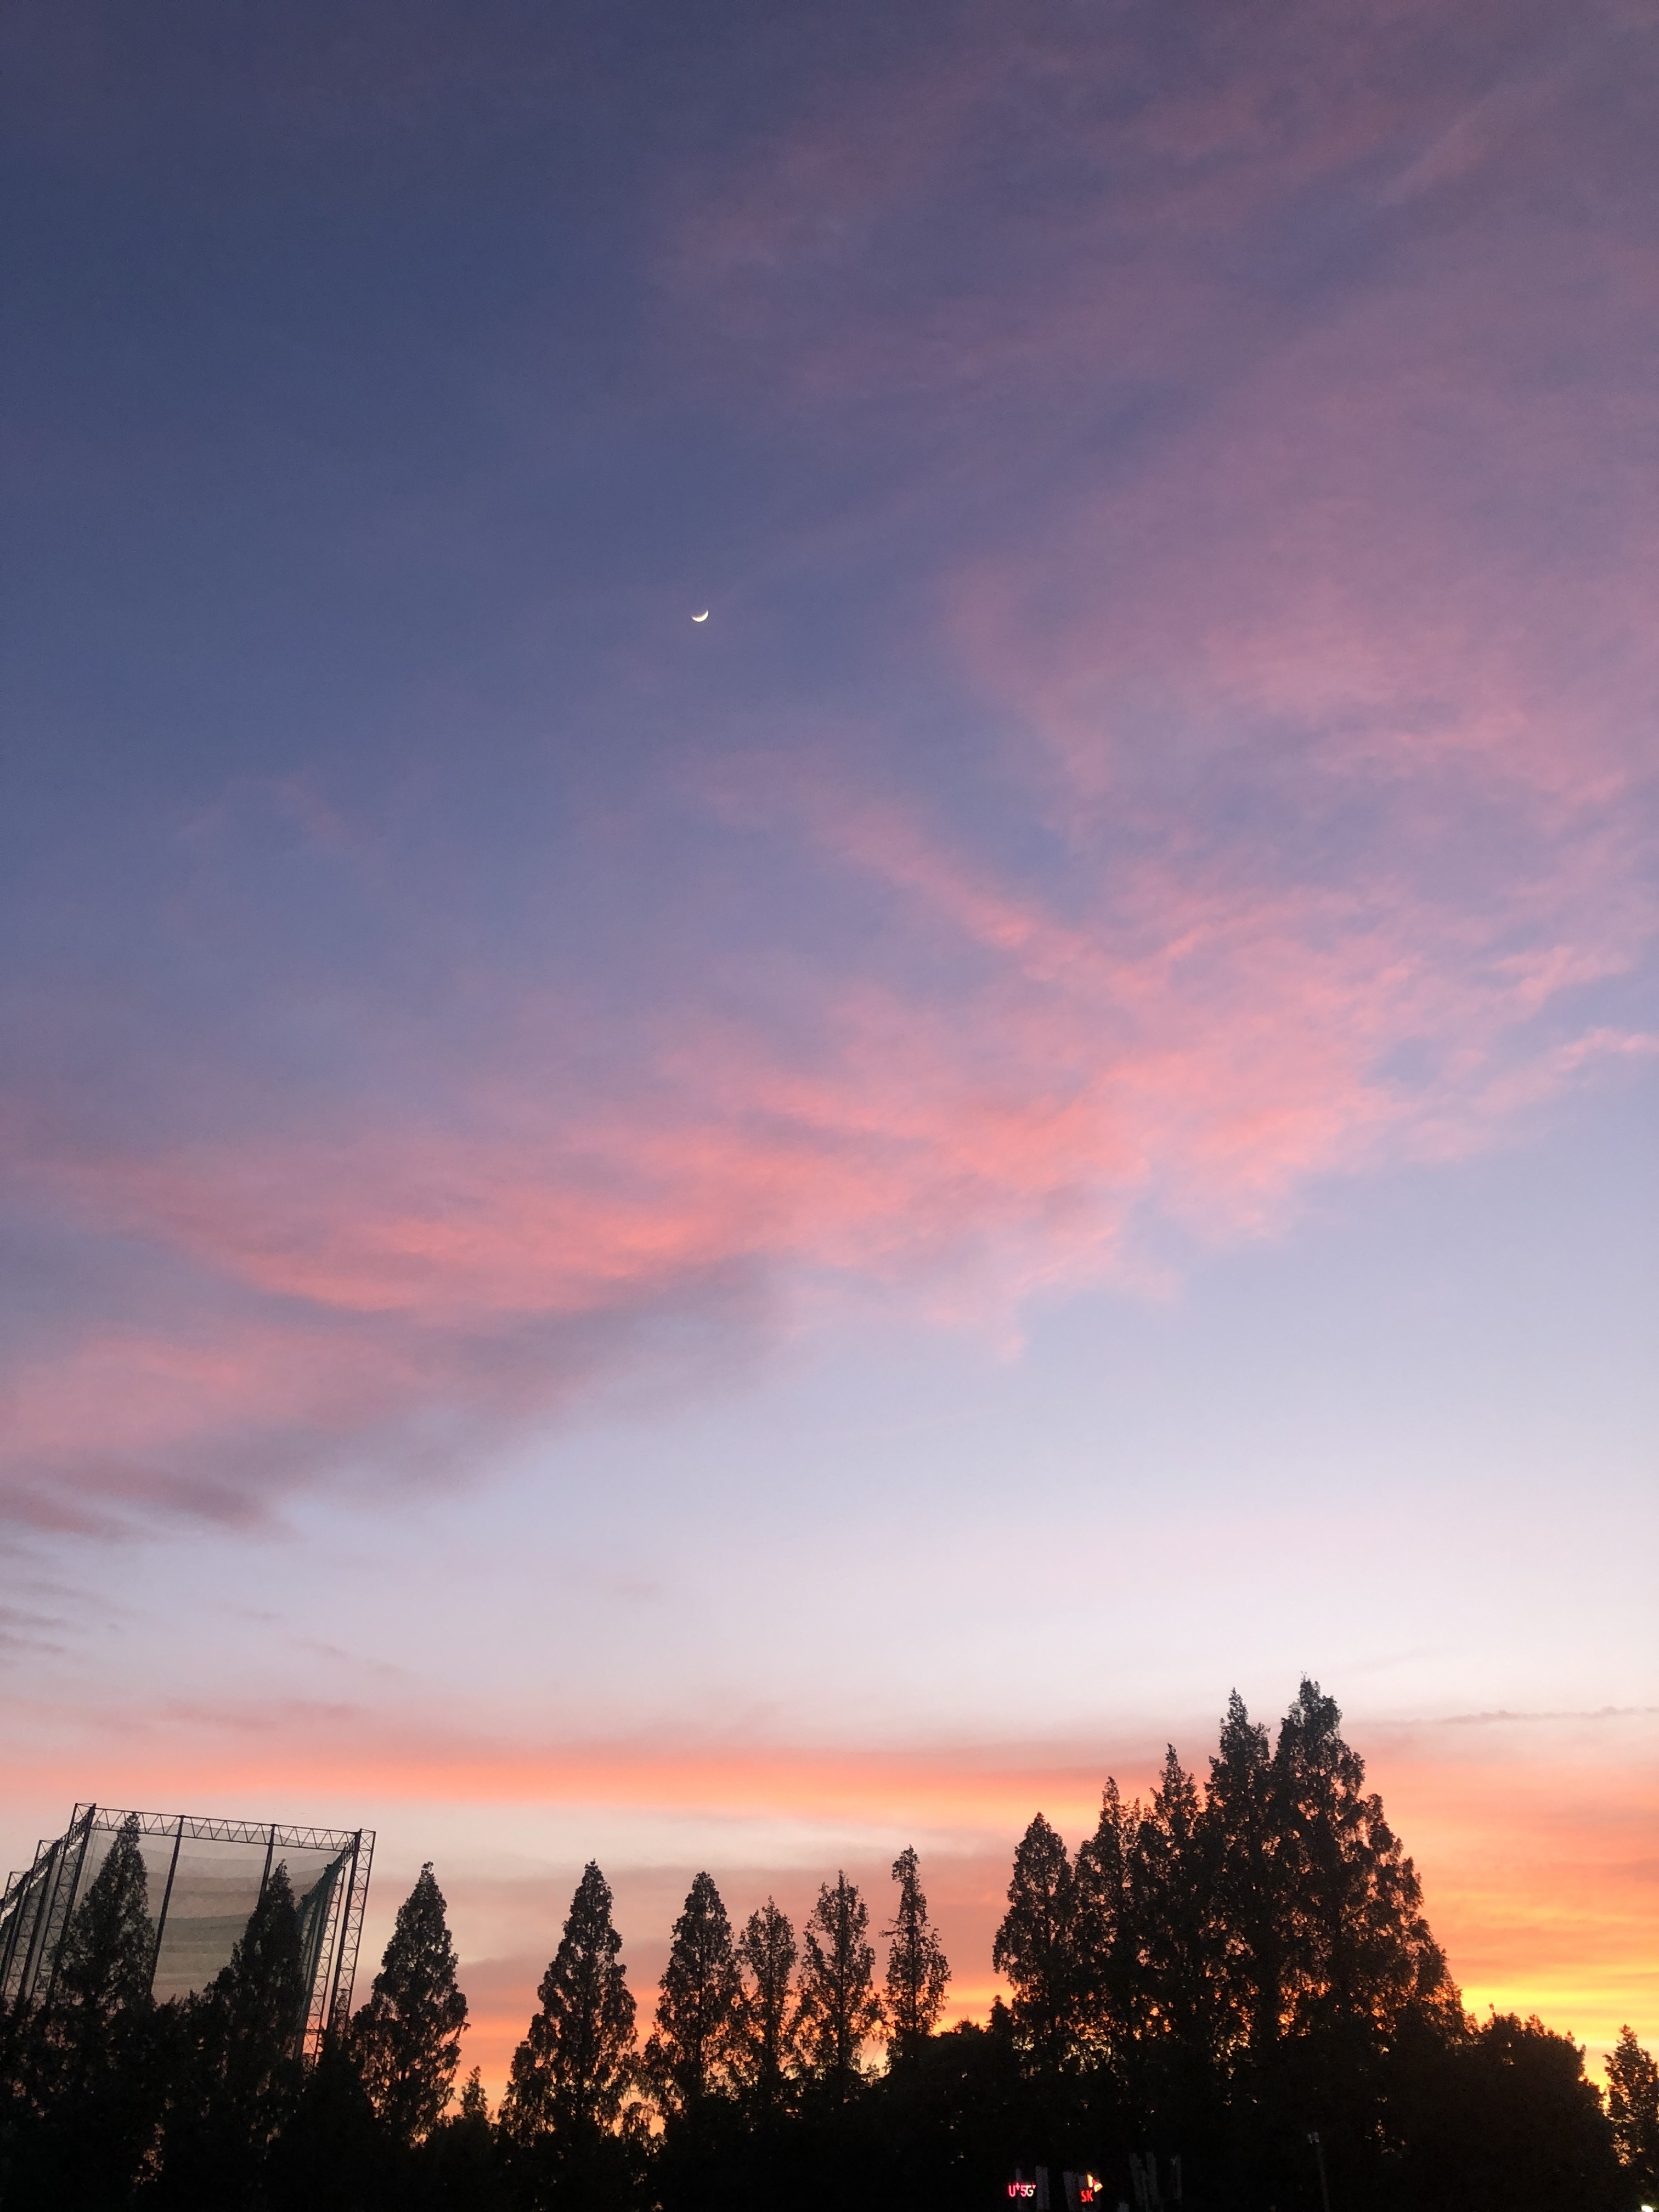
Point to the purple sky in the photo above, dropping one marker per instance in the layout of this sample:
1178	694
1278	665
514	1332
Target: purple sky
1052	1112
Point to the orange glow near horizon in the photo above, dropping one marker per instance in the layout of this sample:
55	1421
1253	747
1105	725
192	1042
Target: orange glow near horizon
1538	1875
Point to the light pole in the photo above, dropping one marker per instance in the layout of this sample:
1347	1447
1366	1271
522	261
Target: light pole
1319	2154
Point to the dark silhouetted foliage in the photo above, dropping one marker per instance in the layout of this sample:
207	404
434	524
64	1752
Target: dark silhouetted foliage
572	2072
108	1950
764	2043
838	2009
689	2054
1219	1975
86	2073
238	2076
1633	2109
1035	1948
407	2038
1507	2122
918	1972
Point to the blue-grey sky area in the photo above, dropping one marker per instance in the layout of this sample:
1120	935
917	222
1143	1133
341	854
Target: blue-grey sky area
686	1230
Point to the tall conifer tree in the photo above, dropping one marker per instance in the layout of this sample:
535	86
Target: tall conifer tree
1035	1949
407	2037
918	1972
244	2084
1170	2061
1172	1913
254	2010
1244	1869
94	2084
573	2067
690	2052
1102	1939
765	2043
109	1947
839	2008
1356	1944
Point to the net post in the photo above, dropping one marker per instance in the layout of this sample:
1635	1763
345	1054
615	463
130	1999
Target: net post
166	1898
58	1913
351	1929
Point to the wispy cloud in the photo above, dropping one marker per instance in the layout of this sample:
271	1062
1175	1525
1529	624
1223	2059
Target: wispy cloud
1268	529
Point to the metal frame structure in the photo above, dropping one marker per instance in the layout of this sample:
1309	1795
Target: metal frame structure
35	1908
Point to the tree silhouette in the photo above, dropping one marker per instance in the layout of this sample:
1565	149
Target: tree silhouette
918	1972
573	2067
1219	1972
1034	1946
89	2065
407	2037
240	2082
1176	2025
1357	1946
839	2008
1100	1937
331	2150
1240	1835
690	2050
1633	2109
765	2024
109	1946
474	2101
1507	2122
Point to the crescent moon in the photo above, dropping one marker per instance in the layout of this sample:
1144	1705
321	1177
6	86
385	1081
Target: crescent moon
703	617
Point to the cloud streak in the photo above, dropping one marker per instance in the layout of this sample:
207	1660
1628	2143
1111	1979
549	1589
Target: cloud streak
1258	501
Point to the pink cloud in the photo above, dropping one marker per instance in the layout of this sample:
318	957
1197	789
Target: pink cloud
1324	709
1189	1035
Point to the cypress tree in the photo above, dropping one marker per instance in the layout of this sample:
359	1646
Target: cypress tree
1034	1947
407	2037
839	2008
1633	2109
574	2066
765	2026
918	1972
690	2053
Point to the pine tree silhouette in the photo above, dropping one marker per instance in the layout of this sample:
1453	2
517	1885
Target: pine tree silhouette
689	2054
918	1972
239	2078
407	2037
572	2069
839	2009
765	2028
109	1946
92	2063
1356	1947
1035	1949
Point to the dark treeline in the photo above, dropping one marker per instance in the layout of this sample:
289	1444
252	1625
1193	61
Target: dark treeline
1227	1996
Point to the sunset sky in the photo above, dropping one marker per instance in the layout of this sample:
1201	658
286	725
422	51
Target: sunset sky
743	1243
